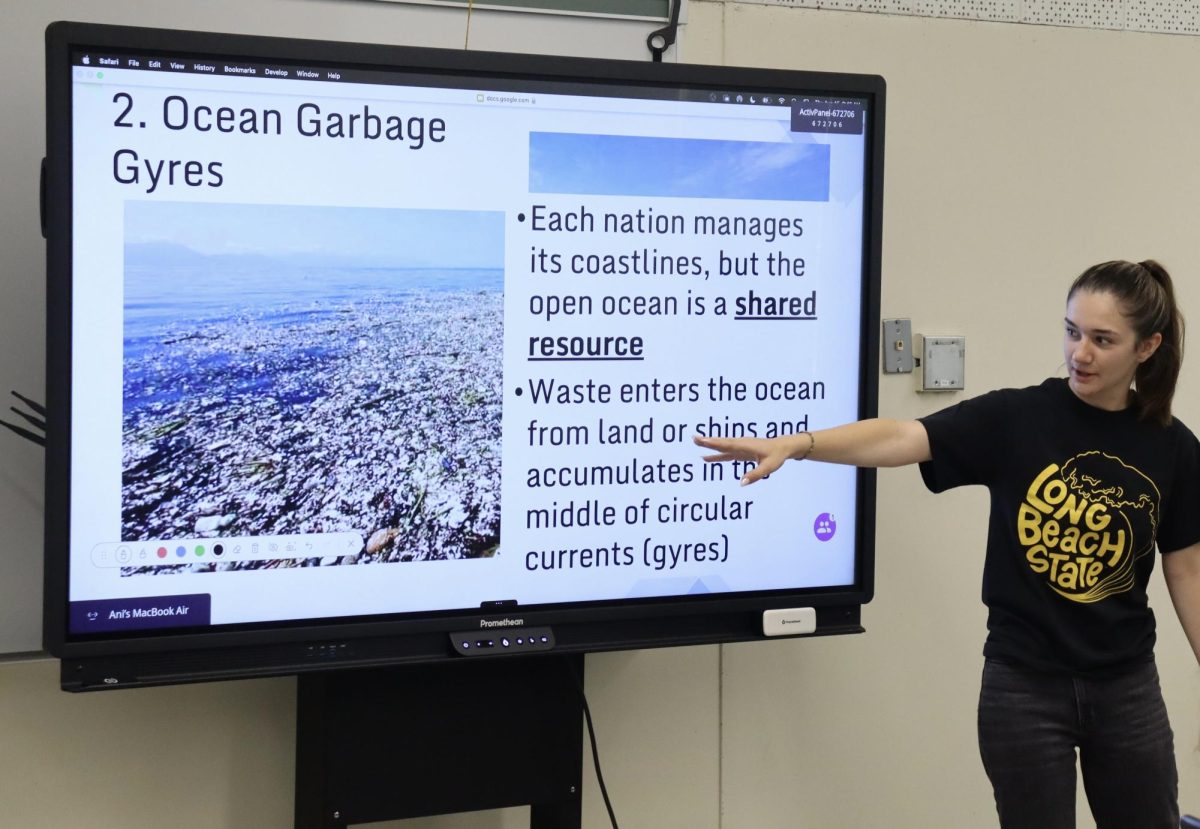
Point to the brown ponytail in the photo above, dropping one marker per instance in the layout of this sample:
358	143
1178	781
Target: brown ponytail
1147	300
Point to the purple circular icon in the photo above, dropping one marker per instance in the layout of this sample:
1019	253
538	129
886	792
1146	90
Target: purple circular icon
824	527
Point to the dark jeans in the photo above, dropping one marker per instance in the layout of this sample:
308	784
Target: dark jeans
1030	725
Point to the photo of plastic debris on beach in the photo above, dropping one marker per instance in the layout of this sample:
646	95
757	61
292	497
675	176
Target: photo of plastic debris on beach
297	370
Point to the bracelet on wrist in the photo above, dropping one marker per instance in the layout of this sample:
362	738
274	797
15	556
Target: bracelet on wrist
812	442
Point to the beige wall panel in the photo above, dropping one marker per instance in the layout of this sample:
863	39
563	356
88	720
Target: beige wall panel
657	717
222	755
188	757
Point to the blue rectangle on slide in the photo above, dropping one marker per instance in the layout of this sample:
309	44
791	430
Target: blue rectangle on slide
694	168
107	615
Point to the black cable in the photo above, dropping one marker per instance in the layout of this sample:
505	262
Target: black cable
37	407
660	39
587	717
37	422
25	433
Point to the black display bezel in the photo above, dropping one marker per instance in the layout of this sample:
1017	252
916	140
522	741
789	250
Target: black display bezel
152	657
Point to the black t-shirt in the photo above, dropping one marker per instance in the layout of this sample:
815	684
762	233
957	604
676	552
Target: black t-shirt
1079	498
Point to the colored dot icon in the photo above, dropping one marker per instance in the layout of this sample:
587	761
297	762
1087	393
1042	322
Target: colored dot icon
199	551
162	552
180	551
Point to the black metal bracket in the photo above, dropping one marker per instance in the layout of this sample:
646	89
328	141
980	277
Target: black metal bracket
461	736
662	39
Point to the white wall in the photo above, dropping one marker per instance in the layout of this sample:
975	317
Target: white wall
1016	156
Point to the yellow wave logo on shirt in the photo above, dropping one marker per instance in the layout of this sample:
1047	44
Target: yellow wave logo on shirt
1083	525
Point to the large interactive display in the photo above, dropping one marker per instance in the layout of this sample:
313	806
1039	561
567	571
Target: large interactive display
362	354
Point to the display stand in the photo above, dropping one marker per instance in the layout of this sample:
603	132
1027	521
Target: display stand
411	741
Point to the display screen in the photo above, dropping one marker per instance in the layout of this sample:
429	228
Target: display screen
430	334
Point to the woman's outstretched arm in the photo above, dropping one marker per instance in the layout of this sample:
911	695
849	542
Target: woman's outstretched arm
875	442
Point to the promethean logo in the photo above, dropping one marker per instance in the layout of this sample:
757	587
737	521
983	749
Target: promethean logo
791	621
501	623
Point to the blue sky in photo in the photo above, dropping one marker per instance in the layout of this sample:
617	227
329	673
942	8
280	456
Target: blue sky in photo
677	167
362	236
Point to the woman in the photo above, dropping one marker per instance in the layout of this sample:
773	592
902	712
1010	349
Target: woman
1087	475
